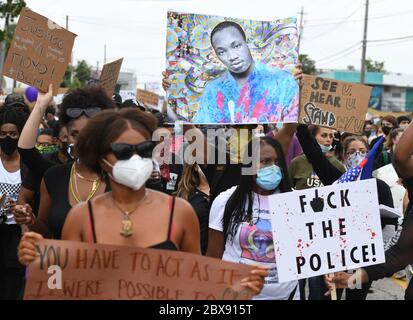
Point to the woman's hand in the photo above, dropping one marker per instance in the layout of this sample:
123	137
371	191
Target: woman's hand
338	280
255	282
166	84
23	214
44	99
27	250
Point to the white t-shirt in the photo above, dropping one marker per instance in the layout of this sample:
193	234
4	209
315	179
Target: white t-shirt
253	244
10	184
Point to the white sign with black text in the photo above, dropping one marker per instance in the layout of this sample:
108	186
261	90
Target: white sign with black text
325	230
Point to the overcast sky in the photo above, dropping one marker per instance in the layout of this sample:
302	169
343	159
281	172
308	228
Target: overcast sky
136	29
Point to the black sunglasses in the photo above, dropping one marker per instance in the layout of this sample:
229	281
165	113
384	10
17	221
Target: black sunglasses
124	151
75	113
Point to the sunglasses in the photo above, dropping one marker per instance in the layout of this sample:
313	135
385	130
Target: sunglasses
75	113
124	151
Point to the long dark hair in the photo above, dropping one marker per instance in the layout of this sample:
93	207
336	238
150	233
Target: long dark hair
235	213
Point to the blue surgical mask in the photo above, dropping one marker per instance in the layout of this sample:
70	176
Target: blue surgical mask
269	178
324	148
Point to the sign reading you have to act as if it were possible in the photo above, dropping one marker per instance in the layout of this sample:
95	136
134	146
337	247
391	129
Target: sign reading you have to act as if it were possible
39	53
107	272
326	230
334	104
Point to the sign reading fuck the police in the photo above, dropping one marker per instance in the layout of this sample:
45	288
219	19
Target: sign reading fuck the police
326	230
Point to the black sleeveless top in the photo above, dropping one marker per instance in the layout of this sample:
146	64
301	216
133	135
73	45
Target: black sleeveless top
166	245
57	180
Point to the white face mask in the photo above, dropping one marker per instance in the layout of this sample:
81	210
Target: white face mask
132	173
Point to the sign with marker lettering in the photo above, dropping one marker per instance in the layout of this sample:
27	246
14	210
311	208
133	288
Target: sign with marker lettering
326	230
110	75
39	53
147	97
82	271
334	104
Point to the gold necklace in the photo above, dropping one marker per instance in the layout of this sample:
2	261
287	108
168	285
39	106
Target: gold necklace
127	225
73	186
86	179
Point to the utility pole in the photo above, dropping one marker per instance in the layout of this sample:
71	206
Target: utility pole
363	55
67	22
104	55
301	28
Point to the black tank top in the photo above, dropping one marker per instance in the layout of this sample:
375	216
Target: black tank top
166	245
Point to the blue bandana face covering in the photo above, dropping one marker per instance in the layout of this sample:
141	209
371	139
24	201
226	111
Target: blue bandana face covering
269	178
324	148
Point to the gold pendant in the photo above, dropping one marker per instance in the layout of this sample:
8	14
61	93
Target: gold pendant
126	227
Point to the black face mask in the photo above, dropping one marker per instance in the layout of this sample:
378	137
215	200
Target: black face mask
386	130
63	147
8	145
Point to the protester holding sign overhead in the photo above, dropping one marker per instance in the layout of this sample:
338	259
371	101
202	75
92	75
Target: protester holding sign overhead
117	146
239	223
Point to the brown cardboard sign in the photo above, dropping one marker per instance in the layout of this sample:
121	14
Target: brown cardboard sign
39	53
334	104
110	75
80	271
147	97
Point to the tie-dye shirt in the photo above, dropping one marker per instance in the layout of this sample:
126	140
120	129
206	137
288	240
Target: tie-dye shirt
269	95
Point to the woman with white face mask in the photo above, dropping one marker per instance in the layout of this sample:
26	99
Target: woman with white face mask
117	146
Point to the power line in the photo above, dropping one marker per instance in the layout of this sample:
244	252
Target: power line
340	52
390	43
342	56
400	13
337	25
391	39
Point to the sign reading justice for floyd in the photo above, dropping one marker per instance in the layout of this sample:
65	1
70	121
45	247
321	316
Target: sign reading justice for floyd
326	230
39	53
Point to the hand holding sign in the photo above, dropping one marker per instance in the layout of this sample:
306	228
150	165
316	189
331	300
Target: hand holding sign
317	203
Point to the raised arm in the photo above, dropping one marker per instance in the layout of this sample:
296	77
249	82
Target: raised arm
28	136
28	153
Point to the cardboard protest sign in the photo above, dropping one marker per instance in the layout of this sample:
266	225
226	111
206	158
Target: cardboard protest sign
326	230
110	75
147	97
39	53
243	74
334	104
106	272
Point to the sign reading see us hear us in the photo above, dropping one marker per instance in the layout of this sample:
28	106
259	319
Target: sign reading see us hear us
333	104
326	230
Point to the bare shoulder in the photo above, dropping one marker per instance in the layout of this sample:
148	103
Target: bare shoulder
182	207
78	212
